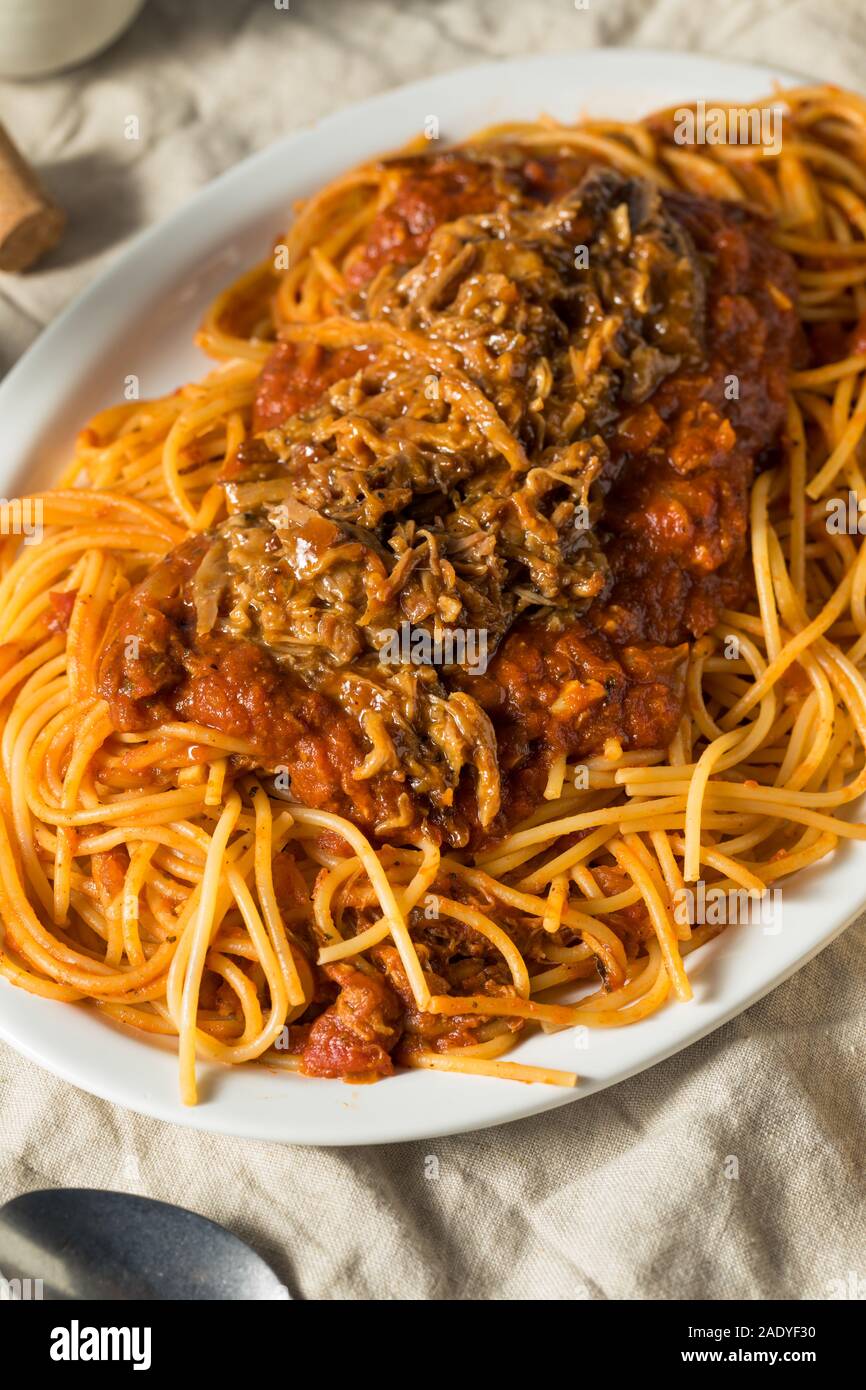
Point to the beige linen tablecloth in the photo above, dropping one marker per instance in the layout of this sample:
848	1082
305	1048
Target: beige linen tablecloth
627	1194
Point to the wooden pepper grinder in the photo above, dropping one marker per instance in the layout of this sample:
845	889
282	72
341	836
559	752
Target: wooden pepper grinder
30	223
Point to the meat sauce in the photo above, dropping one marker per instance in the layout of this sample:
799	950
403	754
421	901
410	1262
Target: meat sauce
433	192
675	518
295	377
676	515
355	1035
678	522
230	685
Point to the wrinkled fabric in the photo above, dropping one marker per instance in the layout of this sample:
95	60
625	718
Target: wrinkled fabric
735	1169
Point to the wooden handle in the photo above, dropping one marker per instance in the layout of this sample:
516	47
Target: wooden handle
30	224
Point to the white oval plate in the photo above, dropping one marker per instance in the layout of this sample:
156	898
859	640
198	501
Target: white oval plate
139	318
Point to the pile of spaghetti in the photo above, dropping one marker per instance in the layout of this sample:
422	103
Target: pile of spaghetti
587	392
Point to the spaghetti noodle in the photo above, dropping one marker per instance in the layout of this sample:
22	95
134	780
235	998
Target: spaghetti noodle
522	387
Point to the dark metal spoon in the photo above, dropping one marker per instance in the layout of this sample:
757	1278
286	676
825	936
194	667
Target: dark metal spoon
88	1244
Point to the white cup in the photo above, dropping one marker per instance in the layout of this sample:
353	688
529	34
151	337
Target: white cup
38	37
